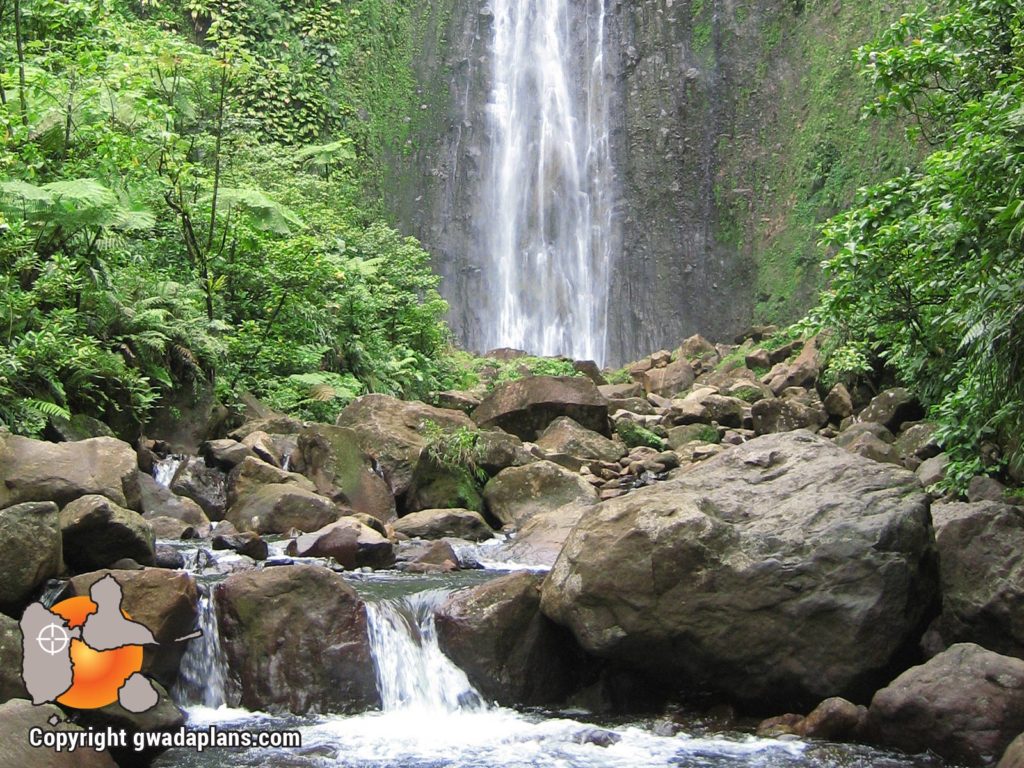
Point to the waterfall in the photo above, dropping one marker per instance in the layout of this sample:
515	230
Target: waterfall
165	469
548	229
412	672
202	675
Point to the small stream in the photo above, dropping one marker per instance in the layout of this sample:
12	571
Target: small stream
432	717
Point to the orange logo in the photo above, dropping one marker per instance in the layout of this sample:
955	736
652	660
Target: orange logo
98	675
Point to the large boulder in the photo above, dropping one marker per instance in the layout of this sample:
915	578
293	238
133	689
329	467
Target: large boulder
279	508
161	600
540	540
205	485
12	686
392	433
341	470
252	473
773	415
159	501
439	523
31	546
438	483
966	705
225	453
670	380
296	637
519	493
497	450
19	716
33	470
527	406
348	541
781	572
509	650
96	533
891	408
565	436
981	563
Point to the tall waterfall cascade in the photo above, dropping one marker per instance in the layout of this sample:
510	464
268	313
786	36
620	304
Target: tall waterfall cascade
547	226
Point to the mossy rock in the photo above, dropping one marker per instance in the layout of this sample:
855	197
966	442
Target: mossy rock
633	435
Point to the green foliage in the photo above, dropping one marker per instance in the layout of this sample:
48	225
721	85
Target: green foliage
619	376
176	208
318	396
927	275
454	449
634	435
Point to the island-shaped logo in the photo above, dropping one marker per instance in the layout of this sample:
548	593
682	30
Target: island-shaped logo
86	652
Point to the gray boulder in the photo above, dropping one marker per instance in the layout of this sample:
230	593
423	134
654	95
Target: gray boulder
773	415
349	542
981	563
891	408
542	537
96	533
158	501
510	651
391	433
12	686
296	637
279	508
966	705
205	485
252	473
439	523
343	471
669	380
527	406
31	545
781	572
34	470
566	436
519	493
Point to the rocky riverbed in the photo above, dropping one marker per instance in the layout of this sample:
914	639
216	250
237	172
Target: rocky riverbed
577	571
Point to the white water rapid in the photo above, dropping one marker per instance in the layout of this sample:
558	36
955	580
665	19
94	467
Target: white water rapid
547	218
431	717
412	672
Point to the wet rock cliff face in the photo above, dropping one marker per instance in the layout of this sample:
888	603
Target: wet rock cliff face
735	133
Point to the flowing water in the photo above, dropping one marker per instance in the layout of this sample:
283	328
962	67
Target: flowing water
203	674
165	469
547	219
432	717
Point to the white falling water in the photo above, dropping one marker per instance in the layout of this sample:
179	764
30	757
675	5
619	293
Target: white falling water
202	675
547	218
165	469
412	672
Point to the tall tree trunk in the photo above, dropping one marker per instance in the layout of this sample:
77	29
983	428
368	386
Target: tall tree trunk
19	42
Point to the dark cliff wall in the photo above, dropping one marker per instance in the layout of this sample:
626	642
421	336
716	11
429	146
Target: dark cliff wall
737	132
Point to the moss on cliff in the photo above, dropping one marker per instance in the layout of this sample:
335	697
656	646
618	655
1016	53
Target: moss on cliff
801	149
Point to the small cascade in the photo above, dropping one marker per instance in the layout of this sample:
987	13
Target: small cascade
202	676
412	672
165	469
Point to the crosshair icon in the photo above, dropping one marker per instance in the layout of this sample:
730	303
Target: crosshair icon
53	639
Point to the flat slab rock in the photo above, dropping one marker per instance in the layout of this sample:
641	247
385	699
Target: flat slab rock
780	573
